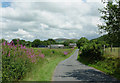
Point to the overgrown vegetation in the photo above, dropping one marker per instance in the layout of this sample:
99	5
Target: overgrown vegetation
46	69
109	65
93	54
17	60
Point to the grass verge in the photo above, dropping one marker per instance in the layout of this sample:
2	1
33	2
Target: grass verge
109	65
43	71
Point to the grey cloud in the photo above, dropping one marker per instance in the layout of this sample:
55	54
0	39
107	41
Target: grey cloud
51	20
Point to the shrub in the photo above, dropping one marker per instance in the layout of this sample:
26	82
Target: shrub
117	68
92	51
65	53
82	41
17	60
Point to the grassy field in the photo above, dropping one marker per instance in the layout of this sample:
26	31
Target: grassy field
114	53
43	71
110	64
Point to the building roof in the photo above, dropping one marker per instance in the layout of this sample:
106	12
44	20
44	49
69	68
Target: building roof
73	44
60	45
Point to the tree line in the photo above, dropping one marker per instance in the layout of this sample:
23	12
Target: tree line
34	43
38	42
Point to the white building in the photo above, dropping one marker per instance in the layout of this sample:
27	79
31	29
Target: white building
72	45
56	46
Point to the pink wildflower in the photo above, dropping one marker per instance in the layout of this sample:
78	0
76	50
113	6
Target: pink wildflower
15	46
27	51
8	43
65	53
42	55
11	41
4	43
28	56
33	61
32	55
24	47
21	46
17	40
9	54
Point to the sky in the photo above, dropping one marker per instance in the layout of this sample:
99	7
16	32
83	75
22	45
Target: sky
46	19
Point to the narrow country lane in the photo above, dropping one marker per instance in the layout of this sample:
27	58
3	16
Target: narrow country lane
72	70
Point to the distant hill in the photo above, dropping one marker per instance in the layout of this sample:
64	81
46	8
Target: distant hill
102	38
75	40
62	40
107	39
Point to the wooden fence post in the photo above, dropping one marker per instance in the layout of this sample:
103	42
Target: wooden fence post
119	52
111	48
104	47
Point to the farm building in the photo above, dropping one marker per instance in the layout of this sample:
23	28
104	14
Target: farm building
72	45
56	46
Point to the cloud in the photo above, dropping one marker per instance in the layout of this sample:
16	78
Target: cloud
94	1
43	20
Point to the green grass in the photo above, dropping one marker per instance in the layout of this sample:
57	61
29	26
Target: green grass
109	64
43	71
114	53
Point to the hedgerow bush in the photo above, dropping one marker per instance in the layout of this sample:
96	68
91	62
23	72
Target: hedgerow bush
92	54
117	69
92	51
17	60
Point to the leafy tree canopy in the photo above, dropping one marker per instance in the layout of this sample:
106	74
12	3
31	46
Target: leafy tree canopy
67	42
82	41
36	43
111	17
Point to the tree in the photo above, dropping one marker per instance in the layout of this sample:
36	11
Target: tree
28	43
22	42
51	41
15	41
45	42
82	41
111	17
67	42
2	40
36	43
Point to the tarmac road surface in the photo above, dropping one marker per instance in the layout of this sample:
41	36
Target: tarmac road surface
72	70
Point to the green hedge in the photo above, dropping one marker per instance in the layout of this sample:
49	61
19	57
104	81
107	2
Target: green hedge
92	51
92	55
